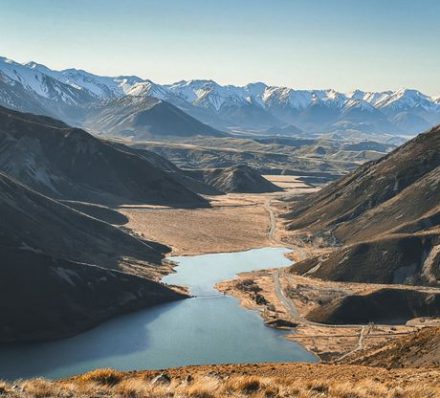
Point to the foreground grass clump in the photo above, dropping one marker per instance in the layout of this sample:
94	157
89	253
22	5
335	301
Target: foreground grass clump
105	377
237	381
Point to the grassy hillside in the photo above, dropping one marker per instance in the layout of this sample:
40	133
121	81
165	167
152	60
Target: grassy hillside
239	381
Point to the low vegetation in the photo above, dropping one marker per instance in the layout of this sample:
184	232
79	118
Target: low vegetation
421	349
259	381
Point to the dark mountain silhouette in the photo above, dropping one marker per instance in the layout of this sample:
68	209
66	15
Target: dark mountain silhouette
62	271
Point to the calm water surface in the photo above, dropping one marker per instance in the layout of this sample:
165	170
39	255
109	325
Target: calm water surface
209	328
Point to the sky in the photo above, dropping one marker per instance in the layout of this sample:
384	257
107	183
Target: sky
340	44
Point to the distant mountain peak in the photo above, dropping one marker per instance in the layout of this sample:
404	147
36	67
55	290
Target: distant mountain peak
255	106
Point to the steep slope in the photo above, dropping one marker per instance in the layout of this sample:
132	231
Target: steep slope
387	212
86	268
223	106
29	89
421	349
35	222
379	196
384	306
407	259
68	163
146	117
239	179
76	296
310	110
193	184
102	87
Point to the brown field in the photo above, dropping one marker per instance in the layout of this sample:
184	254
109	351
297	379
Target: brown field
254	380
290	183
235	222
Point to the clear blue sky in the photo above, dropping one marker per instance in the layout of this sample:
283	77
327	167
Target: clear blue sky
342	44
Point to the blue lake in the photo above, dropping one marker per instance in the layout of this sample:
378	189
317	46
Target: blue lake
209	328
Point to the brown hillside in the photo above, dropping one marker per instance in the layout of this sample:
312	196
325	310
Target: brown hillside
384	306
237	179
421	349
62	271
69	163
387	215
377	197
408	259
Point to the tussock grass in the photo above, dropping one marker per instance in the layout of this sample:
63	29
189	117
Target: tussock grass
108	383
106	377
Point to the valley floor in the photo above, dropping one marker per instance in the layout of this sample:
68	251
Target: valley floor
235	222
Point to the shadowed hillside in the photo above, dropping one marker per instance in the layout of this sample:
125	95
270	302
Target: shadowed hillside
409	259
76	296
386	212
378	196
35	222
68	163
75	260
389	306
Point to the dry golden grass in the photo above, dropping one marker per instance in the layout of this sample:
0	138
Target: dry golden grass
236	381
106	377
234	222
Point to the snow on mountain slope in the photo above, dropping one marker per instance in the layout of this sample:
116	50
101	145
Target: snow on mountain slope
148	88
33	80
405	99
208	93
20	74
360	104
371	97
65	94
102	87
203	91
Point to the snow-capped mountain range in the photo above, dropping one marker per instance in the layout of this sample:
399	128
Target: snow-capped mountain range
71	93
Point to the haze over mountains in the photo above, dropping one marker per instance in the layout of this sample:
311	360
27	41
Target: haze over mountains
72	95
143	117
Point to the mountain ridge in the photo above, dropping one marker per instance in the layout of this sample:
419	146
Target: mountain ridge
252	106
68	163
382	220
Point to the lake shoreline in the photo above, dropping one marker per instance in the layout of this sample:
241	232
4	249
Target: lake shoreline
212	328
